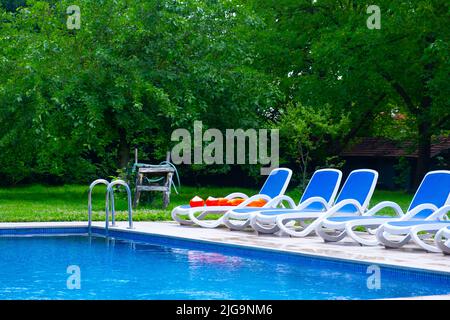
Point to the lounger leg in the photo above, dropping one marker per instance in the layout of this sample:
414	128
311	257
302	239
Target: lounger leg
420	242
180	220
349	228
327	237
442	241
236	225
283	234
389	244
268	229
198	220
283	224
431	230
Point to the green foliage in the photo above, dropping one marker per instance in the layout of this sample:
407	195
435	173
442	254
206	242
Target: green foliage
326	55
305	133
74	103
403	173
77	101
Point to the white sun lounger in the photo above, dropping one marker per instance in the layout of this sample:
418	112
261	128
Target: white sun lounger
353	198
430	196
318	195
437	205
275	185
442	240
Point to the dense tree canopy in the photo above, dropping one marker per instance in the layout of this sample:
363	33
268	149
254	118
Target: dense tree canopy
333	60
74	103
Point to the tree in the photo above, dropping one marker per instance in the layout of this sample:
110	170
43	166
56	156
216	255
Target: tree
362	72
79	100
74	102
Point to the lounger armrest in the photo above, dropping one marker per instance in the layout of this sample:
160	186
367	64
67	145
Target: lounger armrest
253	198
312	200
278	200
236	195
385	204
342	204
440	214
424	206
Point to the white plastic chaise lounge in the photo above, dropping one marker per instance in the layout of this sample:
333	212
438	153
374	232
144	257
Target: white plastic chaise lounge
353	199
357	191
442	240
320	191
430	196
431	218
275	185
424	231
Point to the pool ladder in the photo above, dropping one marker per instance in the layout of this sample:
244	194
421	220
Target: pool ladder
109	198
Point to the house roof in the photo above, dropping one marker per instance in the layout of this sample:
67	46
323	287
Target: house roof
381	147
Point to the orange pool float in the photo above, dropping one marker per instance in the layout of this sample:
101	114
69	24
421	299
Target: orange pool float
257	203
196	202
211	201
236	202
224	202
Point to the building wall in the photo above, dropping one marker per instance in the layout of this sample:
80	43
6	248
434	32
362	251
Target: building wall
386	168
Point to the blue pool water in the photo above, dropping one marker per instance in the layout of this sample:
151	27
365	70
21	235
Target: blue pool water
36	268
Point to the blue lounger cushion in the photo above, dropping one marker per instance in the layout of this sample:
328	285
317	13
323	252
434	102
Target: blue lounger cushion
345	219
412	223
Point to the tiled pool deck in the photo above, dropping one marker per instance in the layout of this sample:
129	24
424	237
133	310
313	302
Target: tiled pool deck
407	257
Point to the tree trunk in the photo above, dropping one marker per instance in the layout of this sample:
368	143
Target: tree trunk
423	151
366	117
424	119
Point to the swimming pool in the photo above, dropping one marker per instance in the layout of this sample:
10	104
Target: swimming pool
138	266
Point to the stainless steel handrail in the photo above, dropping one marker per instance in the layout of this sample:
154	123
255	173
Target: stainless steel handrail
91	187
110	193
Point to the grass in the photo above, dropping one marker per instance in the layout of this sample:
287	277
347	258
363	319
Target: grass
69	202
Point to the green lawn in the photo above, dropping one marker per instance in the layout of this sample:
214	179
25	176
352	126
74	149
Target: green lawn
69	203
